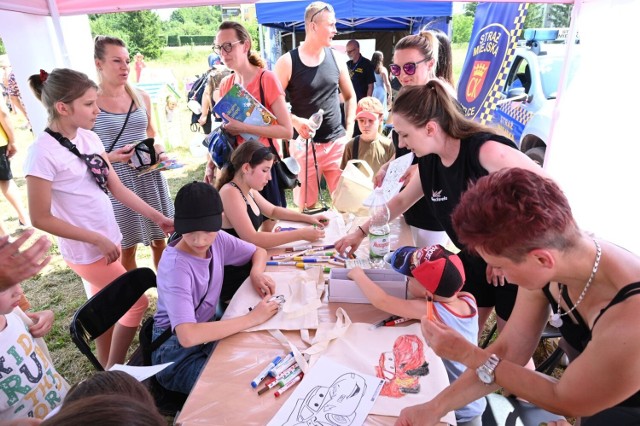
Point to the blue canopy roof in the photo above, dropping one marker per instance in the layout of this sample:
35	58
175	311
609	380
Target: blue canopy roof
361	15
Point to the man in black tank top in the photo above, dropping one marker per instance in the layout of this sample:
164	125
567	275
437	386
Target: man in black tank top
313	80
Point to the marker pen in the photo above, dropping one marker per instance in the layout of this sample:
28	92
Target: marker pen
280	263
276	370
312	258
287	378
383	322
280	256
282	361
336	262
298	248
396	322
289	385
260	377
321	253
269	384
281	229
286	372
326	247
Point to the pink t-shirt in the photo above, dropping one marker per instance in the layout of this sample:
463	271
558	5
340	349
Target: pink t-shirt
272	91
75	196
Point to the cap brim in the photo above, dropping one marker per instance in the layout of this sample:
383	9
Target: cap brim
367	114
400	260
211	223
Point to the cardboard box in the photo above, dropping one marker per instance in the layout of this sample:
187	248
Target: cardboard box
342	289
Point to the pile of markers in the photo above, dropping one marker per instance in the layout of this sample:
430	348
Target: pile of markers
390	322
281	374
306	256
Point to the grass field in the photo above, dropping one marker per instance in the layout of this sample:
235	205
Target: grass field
59	289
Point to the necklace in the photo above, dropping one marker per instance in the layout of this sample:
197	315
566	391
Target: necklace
555	319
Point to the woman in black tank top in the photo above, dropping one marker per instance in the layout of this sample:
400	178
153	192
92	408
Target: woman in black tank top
521	223
248	171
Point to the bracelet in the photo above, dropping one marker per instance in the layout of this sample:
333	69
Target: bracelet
362	230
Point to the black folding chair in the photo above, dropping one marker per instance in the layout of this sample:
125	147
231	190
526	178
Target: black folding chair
103	310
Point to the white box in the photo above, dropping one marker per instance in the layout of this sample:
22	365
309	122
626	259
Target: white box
342	289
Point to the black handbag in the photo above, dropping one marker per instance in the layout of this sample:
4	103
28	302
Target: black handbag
287	169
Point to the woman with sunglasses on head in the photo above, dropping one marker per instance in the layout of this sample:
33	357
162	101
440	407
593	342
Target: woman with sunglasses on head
453	152
68	178
233	44
245	209
415	61
125	119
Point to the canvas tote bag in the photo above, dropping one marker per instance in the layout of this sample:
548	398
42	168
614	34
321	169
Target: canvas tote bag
353	187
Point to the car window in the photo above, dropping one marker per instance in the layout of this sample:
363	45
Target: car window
550	70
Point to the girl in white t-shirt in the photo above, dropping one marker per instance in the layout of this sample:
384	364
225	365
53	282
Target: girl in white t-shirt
68	176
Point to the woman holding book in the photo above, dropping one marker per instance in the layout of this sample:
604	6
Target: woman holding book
233	44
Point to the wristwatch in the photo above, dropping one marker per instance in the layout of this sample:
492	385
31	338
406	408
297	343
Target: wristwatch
486	372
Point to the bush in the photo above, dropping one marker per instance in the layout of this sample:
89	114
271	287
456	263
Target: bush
462	27
185	40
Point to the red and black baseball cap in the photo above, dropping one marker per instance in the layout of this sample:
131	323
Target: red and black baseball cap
437	269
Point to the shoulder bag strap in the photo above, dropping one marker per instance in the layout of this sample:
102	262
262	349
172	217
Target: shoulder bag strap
123	126
167	333
64	142
356	146
273	148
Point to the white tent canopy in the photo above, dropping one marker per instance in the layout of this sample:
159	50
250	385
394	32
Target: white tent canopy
596	164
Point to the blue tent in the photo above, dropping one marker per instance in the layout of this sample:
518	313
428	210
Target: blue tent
358	15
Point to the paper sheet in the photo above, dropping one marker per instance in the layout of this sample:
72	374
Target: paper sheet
138	372
398	354
330	394
391	184
335	230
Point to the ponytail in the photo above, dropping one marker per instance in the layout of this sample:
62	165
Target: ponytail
227	174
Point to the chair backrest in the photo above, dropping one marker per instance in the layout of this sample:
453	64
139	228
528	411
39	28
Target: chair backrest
104	309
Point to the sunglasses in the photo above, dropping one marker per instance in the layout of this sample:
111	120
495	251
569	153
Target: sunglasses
409	68
227	47
320	11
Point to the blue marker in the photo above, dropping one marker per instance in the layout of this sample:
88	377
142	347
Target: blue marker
255	382
285	360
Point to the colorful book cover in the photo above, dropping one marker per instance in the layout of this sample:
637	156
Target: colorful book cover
240	105
160	166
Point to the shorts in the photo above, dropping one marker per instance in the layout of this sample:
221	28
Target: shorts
182	375
5	164
502	297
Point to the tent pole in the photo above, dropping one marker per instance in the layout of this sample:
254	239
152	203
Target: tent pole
261	42
55	18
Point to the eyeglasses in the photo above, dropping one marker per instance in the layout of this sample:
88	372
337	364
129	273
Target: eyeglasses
320	11
409	68
349	52
227	47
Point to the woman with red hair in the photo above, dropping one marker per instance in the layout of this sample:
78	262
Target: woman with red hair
522	224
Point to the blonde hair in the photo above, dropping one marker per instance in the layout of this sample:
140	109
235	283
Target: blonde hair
315	8
61	85
100	44
370	104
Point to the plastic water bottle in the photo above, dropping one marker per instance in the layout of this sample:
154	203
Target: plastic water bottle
315	123
379	231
